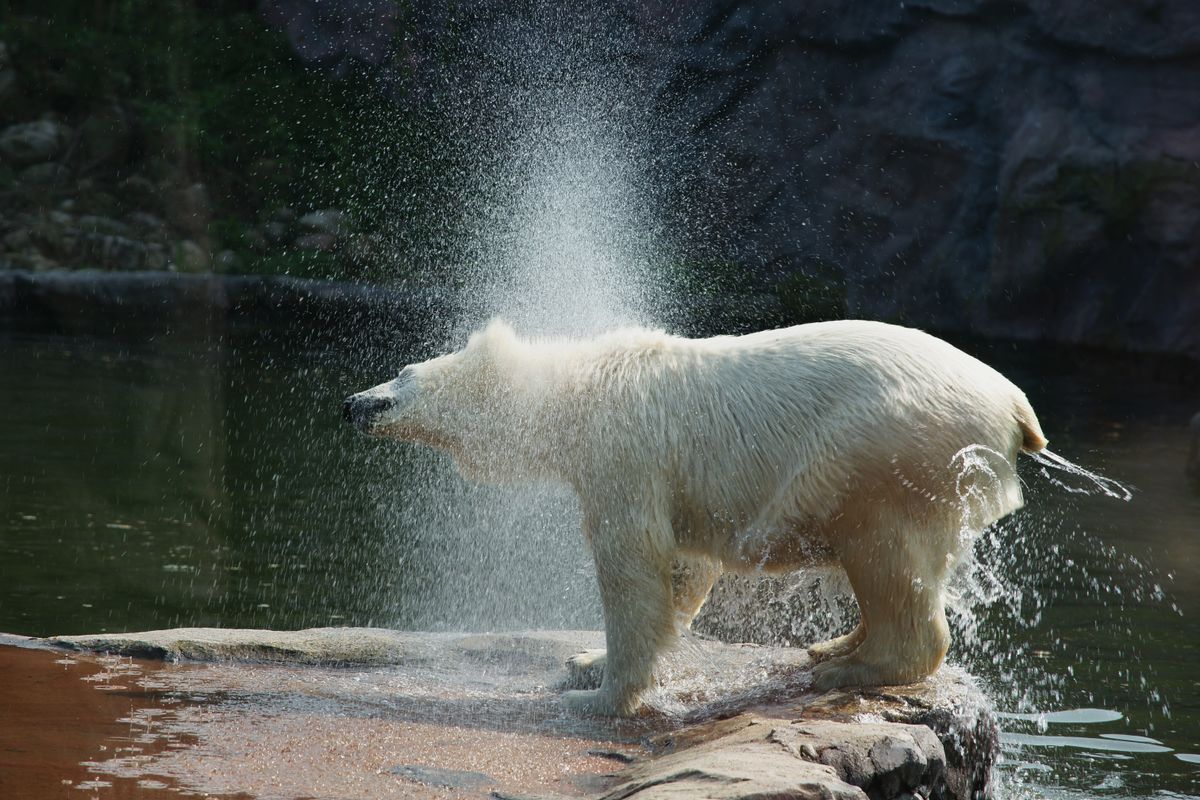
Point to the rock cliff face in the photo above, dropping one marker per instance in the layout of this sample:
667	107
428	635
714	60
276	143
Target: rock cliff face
1026	168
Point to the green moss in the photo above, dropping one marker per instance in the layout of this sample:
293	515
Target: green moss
217	97
1056	236
1119	194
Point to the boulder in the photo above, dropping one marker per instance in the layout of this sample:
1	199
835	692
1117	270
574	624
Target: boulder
47	174
228	261
118	252
275	232
748	763
322	242
145	221
190	257
329	221
188	208
33	142
139	190
92	223
106	136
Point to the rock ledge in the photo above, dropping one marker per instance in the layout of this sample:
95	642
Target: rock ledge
710	731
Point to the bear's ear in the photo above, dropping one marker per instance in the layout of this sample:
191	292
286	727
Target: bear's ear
499	329
497	334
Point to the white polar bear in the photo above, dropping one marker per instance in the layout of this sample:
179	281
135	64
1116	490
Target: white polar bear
867	445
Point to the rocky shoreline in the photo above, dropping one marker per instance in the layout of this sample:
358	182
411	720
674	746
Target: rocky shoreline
709	729
95	301
110	179
101	303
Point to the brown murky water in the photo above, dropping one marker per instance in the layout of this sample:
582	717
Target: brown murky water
80	727
64	713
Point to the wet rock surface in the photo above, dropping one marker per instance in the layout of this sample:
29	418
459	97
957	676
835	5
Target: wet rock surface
33	142
728	721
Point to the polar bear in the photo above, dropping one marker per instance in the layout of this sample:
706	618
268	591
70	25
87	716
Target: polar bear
861	444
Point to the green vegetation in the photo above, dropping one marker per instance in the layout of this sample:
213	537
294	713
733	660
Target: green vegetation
179	93
216	94
1117	195
200	139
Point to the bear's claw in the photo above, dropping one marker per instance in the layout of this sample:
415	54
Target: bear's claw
853	670
586	670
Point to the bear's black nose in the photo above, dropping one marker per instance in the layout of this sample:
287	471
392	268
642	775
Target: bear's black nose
361	411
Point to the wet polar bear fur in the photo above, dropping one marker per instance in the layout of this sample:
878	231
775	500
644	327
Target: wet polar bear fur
845	442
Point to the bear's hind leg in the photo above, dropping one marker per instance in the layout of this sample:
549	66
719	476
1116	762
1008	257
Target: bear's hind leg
692	578
839	645
903	619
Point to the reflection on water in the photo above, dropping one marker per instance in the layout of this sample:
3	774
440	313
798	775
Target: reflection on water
176	481
1079	716
1110	741
199	483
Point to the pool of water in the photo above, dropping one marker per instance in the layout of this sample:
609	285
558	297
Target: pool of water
159	480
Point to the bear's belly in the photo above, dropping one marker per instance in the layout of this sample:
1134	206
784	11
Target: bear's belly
792	545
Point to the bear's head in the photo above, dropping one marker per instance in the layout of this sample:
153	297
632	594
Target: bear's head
476	404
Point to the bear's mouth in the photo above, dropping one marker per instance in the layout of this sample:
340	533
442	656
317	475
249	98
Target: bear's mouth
364	410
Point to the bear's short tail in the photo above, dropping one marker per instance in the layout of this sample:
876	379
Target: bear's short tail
1032	438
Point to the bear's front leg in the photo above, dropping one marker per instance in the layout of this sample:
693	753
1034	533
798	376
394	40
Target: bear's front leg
692	578
635	590
586	670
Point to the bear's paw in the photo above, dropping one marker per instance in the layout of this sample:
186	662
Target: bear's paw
838	646
594	703
586	670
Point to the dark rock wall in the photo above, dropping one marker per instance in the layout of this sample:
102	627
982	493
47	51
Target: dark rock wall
1023	169
1027	168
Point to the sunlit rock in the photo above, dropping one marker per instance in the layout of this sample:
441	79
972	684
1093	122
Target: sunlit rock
723	721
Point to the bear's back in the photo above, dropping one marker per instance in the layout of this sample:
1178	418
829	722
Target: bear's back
817	409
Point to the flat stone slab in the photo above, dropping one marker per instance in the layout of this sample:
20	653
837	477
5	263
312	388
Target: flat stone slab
341	647
473	715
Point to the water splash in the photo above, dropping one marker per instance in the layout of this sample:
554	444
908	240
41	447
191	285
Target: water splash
1107	486
556	200
1014	612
